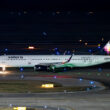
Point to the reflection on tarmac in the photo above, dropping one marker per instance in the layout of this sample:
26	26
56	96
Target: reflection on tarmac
94	100
5	72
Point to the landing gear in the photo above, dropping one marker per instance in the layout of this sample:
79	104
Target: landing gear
3	68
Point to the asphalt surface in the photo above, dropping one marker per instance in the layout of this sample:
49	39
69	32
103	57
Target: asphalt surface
86	100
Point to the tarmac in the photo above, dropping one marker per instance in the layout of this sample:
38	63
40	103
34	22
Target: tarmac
97	99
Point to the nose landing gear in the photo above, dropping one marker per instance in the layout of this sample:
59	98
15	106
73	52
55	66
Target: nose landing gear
3	68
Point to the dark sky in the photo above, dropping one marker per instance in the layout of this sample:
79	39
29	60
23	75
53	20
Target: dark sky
55	4
54	20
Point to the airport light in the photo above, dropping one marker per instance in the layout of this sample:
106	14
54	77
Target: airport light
99	69
107	74
55	48
57	53
25	12
21	69
102	39
91	12
99	45
91	82
31	47
58	12
90	50
47	86
98	74
6	50
19	108
80	40
55	77
94	86
80	79
86	43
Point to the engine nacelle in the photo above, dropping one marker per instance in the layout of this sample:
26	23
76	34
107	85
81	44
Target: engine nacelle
50	68
41	68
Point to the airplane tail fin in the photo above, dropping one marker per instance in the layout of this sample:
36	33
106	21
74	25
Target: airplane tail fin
107	47
68	59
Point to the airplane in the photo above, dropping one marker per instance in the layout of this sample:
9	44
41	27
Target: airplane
53	62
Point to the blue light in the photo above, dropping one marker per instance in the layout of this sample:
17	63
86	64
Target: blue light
55	77
88	89
6	49
90	50
22	76
65	69
55	48
80	79
91	82
57	53
68	52
44	33
21	69
94	86
99	47
99	69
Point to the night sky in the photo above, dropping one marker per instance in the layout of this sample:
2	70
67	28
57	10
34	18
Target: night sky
54	21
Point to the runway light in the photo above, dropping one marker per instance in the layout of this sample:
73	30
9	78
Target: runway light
57	53
55	48
22	76
80	40
99	69
55	77
68	52
6	49
79	73
44	33
58	12
86	43
88	89
98	74
89	73
90	50
31	47
21	69
98	45
80	79
94	86
91	13
108	74
47	86
65	69
91	82
19	108
102	39
25	12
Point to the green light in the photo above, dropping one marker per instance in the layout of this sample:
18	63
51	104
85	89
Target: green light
107	74
89	73
98	74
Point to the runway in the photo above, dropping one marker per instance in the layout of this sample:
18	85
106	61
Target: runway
86	100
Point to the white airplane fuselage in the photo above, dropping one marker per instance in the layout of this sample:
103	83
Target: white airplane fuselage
32	60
